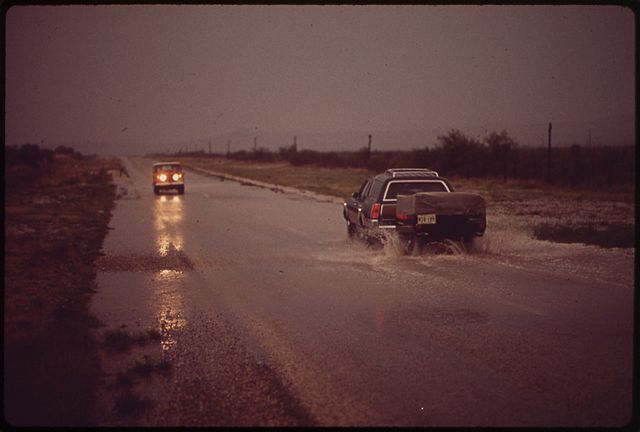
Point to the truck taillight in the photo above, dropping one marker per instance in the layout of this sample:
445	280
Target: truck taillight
375	211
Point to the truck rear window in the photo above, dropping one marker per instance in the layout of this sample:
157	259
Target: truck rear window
395	188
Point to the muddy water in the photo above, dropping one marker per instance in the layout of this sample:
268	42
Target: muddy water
268	315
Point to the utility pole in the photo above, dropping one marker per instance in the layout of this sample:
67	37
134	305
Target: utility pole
549	177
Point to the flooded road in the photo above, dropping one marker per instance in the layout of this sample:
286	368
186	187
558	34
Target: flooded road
268	315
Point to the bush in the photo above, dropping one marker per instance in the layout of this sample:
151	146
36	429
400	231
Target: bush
27	154
68	151
454	154
378	162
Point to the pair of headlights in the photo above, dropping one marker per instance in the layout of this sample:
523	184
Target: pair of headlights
164	177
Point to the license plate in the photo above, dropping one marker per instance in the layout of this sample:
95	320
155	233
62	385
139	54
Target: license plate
426	219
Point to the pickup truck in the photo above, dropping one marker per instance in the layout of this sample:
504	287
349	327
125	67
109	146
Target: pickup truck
415	203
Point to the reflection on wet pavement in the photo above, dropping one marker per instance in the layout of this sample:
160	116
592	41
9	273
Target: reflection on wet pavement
169	213
170	311
168	223
174	260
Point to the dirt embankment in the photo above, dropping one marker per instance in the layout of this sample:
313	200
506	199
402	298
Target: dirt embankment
56	218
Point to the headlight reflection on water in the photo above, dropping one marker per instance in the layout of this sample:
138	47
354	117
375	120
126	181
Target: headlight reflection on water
169	239
170	312
168	224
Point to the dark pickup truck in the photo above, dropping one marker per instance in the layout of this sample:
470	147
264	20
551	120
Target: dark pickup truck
415	203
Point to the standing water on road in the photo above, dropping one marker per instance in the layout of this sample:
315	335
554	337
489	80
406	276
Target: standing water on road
257	310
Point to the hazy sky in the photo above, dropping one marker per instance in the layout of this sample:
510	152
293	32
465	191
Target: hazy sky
125	75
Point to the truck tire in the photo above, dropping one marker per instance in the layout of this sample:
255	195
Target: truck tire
181	190
408	244
156	190
468	243
363	232
352	230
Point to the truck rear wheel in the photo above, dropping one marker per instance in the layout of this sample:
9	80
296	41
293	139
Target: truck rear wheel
408	244
468	243
352	231
362	230
156	190
181	190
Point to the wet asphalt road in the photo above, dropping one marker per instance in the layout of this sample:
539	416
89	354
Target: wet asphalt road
270	316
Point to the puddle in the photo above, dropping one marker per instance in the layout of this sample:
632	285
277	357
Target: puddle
173	260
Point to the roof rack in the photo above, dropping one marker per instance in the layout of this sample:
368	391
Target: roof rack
412	171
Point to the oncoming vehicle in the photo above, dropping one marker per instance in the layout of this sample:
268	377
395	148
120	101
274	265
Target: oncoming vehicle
415	203
168	175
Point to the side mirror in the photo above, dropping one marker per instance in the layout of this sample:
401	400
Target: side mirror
355	195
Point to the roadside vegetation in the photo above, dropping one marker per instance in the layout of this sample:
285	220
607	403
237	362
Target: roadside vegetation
497	155
121	341
128	403
587	195
57	207
339	182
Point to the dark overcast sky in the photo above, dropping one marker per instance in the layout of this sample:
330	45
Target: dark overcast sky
160	73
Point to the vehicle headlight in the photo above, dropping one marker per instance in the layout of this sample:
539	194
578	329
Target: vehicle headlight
162	177
176	177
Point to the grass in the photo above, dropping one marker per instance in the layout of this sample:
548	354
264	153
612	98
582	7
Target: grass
56	218
129	404
500	189
341	182
124	380
142	369
338	182
551	212
121	341
118	341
